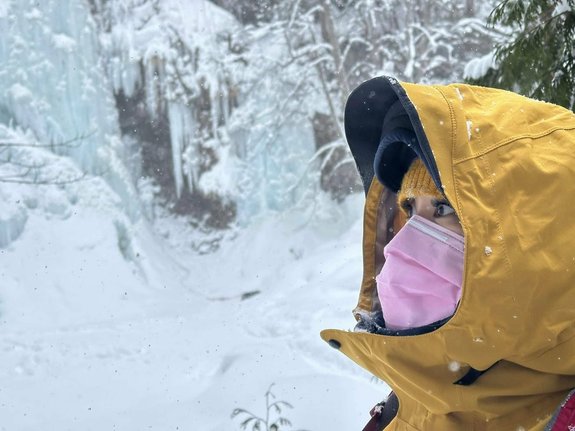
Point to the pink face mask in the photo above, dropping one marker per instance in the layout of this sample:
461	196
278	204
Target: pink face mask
420	282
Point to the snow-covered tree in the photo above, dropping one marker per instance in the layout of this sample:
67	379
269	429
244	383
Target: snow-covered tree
323	49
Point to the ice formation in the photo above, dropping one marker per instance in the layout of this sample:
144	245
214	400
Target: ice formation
52	84
66	61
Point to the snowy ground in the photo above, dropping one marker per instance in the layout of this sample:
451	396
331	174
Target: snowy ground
108	327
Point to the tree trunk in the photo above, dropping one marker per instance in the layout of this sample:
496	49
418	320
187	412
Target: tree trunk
469	8
330	36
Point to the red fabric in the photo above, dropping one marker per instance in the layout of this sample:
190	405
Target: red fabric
566	418
375	413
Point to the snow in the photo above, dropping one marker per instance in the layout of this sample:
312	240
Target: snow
4	7
63	42
454	366
115	314
12	221
60	98
171	49
562	6
458	91
219	178
106	324
478	67
20	93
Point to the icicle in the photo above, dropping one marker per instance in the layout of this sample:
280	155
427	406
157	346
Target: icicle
214	107
176	136
151	80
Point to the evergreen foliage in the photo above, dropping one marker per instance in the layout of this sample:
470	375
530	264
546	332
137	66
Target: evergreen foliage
537	56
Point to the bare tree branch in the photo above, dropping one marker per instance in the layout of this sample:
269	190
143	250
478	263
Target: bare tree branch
17	180
8	144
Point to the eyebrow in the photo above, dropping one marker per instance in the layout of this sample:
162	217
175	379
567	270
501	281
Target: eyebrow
440	201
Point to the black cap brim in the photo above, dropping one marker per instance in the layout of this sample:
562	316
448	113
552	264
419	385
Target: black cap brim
381	121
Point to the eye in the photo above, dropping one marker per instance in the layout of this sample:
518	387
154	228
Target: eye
407	207
443	209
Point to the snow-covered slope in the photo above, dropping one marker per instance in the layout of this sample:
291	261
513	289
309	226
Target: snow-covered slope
103	329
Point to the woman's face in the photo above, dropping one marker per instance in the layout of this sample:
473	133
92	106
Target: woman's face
435	210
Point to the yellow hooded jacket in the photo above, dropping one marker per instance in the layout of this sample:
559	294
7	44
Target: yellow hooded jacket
506	163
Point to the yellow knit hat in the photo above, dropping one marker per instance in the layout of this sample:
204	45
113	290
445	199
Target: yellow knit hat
417	182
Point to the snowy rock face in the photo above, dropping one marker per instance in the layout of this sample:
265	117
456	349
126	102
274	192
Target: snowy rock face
174	94
158	55
195	98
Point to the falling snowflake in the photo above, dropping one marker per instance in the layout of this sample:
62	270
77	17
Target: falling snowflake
459	94
454	366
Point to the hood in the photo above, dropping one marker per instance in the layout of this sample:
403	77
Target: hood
506	163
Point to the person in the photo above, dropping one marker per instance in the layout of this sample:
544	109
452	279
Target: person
467	302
